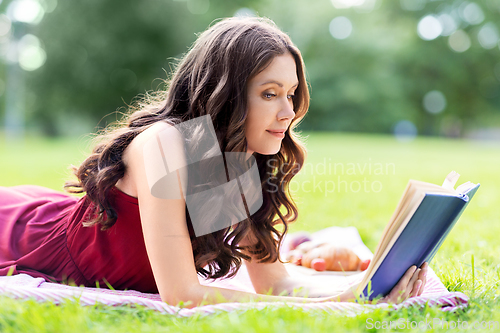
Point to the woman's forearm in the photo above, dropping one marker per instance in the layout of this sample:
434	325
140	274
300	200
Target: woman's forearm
203	295
311	288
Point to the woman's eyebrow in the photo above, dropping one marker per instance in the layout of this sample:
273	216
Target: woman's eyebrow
278	83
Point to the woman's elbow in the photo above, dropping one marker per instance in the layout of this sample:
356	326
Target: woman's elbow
186	298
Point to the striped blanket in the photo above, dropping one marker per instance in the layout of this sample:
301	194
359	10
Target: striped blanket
23	286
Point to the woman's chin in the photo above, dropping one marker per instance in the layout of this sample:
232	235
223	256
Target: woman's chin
269	151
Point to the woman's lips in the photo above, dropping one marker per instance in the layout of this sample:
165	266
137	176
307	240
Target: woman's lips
278	134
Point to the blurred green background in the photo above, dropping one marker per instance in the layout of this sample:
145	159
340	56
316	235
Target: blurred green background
404	67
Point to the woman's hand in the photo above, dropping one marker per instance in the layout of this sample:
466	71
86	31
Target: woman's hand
410	285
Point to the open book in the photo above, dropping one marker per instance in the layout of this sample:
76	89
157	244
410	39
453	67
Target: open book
423	218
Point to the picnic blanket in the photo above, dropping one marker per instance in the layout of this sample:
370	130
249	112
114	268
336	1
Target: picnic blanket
23	286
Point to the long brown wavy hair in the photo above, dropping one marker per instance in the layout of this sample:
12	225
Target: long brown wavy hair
211	79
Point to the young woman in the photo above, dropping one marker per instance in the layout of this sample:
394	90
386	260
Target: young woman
248	77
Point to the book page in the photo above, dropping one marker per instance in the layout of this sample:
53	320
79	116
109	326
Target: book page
402	203
451	180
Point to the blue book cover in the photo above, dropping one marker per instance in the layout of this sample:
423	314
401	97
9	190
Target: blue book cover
423	232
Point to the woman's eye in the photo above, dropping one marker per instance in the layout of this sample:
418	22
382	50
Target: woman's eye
269	95
290	96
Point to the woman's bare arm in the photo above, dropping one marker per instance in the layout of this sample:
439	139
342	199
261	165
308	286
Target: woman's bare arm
274	278
171	255
167	238
164	226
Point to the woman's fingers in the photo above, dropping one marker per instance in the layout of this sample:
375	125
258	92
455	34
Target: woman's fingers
416	288
423	277
411	284
412	287
400	291
401	286
405	280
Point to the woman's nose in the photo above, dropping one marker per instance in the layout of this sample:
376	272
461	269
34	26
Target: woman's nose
286	111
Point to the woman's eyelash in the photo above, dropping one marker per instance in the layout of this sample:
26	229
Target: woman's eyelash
269	95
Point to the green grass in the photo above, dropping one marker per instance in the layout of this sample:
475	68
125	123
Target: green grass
43	162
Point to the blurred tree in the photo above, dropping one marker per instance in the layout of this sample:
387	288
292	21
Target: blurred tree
370	62
101	54
379	74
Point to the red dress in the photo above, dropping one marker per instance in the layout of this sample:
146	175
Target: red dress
41	234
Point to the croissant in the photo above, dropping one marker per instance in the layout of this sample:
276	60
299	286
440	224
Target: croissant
326	256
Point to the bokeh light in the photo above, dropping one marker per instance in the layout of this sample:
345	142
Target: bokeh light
9	51
471	12
31	55
405	131
448	24
340	27
198	7
434	101
5	25
412	5
429	28
26	11
488	35
368	6
49	5
347	3
245	12
459	41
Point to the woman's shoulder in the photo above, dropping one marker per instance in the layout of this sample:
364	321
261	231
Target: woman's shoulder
133	156
152	131
161	134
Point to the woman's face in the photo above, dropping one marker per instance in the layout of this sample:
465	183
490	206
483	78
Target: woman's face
270	105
